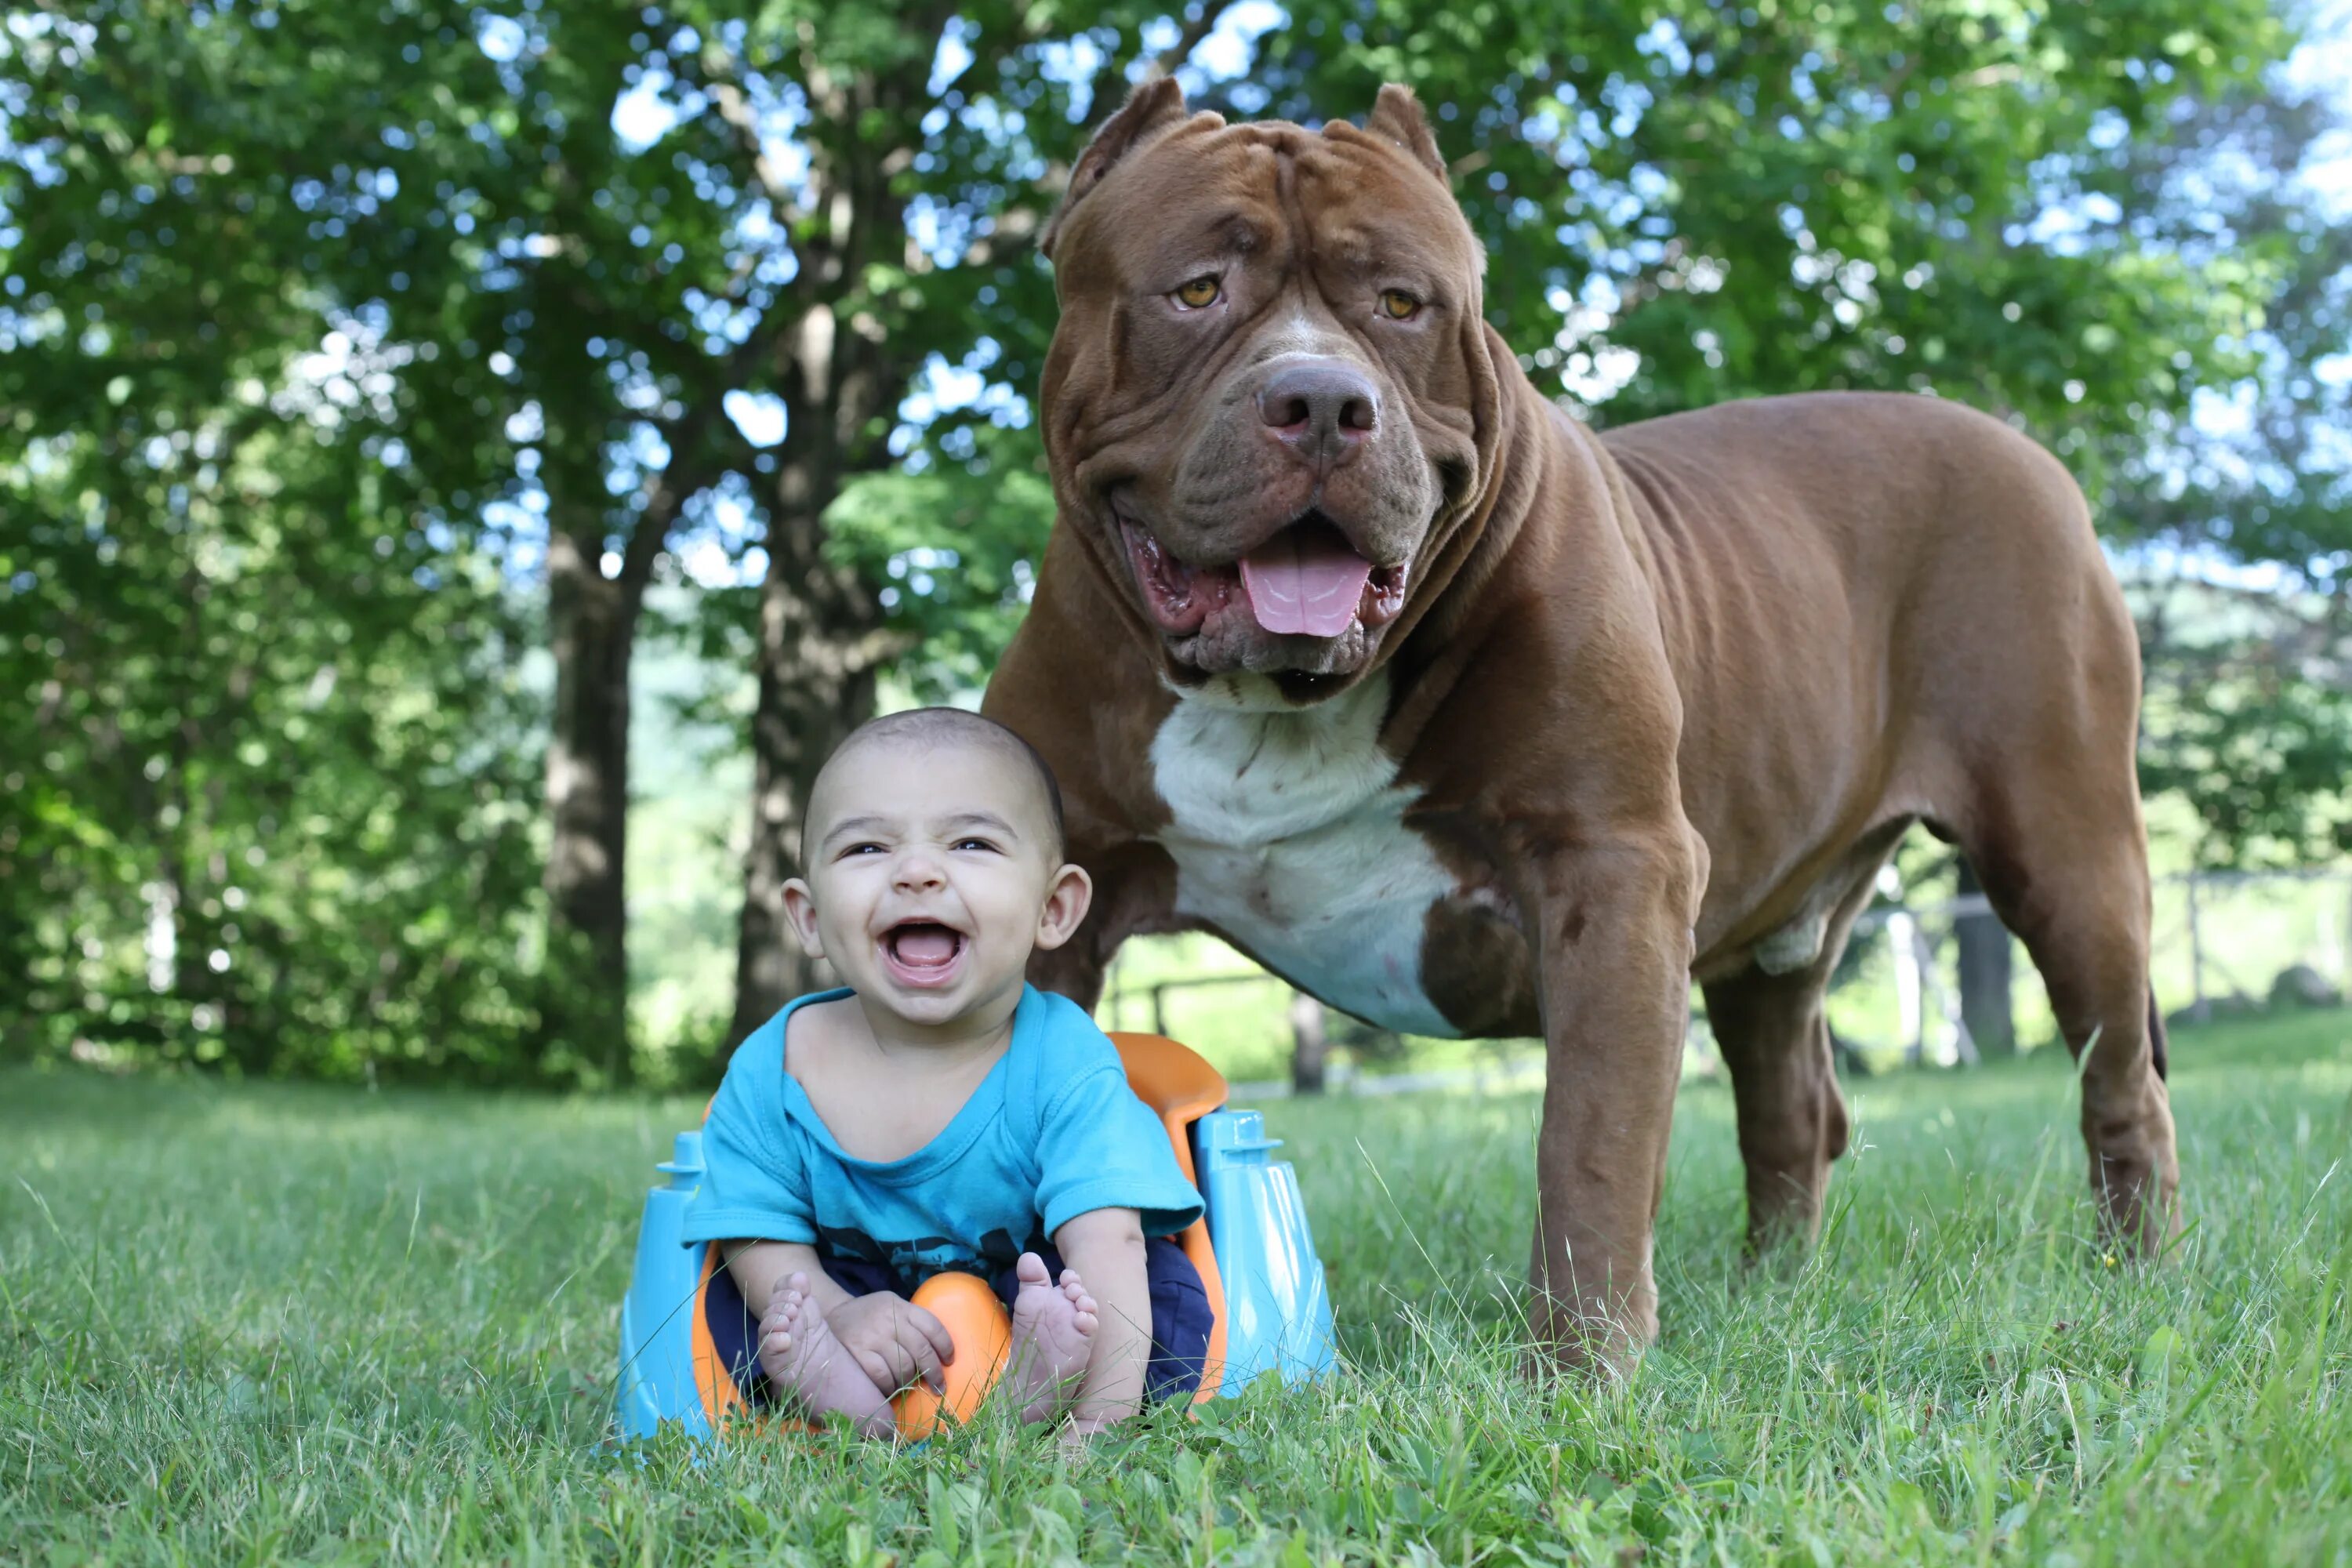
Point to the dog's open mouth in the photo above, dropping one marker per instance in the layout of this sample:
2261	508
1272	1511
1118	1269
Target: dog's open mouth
923	953
1306	580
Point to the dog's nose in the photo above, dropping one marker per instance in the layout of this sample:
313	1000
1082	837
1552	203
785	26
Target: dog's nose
1324	407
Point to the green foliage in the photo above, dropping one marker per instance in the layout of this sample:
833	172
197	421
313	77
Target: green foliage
289	285
1778	196
2248	718
284	1323
266	796
265	804
954	551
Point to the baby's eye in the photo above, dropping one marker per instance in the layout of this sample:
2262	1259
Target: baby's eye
861	850
973	844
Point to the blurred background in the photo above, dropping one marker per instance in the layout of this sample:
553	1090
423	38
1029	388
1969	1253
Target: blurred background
462	467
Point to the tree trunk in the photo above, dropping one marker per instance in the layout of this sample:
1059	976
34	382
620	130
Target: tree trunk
1310	1045
821	638
1984	975
820	644
592	630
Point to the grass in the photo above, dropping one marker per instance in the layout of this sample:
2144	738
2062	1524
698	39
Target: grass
252	1325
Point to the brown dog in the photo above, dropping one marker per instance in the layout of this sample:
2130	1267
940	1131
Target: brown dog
1352	648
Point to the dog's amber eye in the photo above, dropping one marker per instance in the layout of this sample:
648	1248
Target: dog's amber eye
1397	305
1200	292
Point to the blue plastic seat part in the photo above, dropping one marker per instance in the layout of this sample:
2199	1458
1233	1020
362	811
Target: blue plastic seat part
1277	1310
657	1380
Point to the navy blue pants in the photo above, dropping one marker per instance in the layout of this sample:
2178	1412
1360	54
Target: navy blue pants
1181	1319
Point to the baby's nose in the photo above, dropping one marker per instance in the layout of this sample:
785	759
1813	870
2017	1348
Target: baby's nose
919	869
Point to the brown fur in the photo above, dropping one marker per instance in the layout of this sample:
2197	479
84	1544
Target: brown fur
1660	693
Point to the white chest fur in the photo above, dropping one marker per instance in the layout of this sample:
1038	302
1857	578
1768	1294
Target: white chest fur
1288	835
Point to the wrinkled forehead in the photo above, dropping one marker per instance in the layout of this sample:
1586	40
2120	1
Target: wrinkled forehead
1268	191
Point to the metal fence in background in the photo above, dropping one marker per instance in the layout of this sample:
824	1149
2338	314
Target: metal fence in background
2222	943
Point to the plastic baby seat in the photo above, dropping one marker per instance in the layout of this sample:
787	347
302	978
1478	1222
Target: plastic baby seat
1253	1248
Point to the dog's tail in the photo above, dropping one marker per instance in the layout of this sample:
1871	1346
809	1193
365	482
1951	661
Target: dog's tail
2156	1047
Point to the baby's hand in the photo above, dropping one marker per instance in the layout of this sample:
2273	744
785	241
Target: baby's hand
894	1340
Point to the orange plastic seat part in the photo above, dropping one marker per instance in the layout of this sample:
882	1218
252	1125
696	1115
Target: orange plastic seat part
1180	1087
1178	1083
722	1401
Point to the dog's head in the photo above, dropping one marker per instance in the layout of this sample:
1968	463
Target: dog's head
1271	402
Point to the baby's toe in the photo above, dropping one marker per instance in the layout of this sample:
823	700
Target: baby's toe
1084	1319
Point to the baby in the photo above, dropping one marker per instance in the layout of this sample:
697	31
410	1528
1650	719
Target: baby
937	1113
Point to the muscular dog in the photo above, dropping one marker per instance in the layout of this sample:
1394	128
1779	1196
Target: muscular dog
1349	646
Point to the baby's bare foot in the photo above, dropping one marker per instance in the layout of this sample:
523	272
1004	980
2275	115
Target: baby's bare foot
810	1369
1053	1335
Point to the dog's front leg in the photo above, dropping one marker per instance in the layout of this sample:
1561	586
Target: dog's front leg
1614	946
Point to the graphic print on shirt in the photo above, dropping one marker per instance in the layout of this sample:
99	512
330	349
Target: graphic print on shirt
912	1262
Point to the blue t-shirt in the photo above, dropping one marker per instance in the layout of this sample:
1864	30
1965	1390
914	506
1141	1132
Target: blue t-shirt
1052	1132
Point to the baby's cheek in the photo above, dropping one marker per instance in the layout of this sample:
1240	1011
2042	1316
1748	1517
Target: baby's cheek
1007	918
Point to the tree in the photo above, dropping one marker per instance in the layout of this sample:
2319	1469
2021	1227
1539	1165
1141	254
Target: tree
910	210
1985	973
1726	203
262	725
621	274
2248	713
549	314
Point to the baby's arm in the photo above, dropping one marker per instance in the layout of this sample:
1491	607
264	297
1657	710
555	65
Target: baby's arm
1105	1247
760	1266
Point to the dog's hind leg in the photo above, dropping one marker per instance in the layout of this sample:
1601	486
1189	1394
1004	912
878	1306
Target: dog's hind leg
2023	691
2073	885
1792	1123
1775	1040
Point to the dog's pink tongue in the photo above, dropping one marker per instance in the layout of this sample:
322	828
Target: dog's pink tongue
925	944
1306	580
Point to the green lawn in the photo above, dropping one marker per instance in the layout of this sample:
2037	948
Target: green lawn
255	1323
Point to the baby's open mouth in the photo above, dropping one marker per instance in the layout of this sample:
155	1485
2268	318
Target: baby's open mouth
923	952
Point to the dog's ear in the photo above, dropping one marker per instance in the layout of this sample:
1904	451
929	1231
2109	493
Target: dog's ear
1149	111
1396	115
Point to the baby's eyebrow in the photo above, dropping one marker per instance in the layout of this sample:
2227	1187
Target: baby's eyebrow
981	819
866	824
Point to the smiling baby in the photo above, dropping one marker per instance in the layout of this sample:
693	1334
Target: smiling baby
937	1113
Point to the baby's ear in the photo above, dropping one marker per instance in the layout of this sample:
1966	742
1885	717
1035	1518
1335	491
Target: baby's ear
800	909
1067	898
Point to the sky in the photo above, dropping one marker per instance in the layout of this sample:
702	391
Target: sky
2323	64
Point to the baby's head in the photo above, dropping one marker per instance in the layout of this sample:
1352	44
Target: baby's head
933	849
